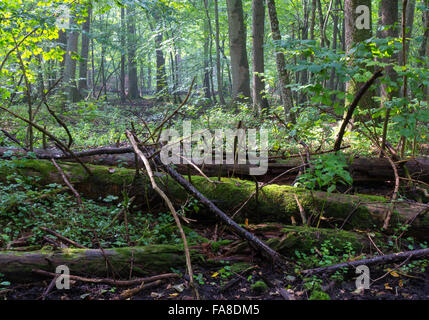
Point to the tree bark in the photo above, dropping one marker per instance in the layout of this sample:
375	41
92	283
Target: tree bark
285	93
123	45
238	52
355	35
272	203
69	78
84	53
389	24
218	61
258	30
147	260
133	87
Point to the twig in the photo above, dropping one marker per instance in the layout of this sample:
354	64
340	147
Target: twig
131	292
61	237
50	287
113	282
67	182
301	210
390	258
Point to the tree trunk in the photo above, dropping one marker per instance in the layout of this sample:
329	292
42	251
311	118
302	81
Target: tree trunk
358	28
272	203
258	30
285	93
133	88
424	48
146	260
411	6
389	21
122	39
218	61
18	266
238	52
84	52
69	79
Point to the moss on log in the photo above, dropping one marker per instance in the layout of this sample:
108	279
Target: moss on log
272	203
288	239
146	260
152	259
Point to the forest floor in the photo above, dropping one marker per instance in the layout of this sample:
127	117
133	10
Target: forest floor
59	212
411	287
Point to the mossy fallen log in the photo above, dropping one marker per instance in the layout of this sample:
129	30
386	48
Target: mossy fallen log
155	259
144	260
362	170
272	203
289	239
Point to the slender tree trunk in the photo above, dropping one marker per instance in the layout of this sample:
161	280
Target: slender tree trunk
321	19
133	90
238	52
123	44
334	44
258	26
424	48
285	93
206	75
411	6
161	80
149	74
304	36
389	26
358	28
218	61
84	53
70	62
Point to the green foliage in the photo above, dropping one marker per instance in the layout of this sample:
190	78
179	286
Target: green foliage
326	172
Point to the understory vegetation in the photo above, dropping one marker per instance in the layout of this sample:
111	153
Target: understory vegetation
87	89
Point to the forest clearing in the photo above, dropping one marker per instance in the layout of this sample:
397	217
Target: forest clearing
214	150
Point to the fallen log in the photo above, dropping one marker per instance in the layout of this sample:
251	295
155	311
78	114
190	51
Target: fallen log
147	260
362	170
273	202
390	258
156	259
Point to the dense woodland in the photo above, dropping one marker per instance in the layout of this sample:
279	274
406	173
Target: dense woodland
89	88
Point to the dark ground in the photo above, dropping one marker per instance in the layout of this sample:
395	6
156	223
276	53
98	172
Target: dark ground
397	287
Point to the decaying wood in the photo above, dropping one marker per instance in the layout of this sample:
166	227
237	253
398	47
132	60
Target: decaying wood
274	203
253	241
19	266
112	282
362	170
390	258
170	206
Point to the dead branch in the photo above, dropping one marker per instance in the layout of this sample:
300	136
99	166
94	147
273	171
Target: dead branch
353	106
170	206
253	240
67	182
113	282
61	237
390	258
